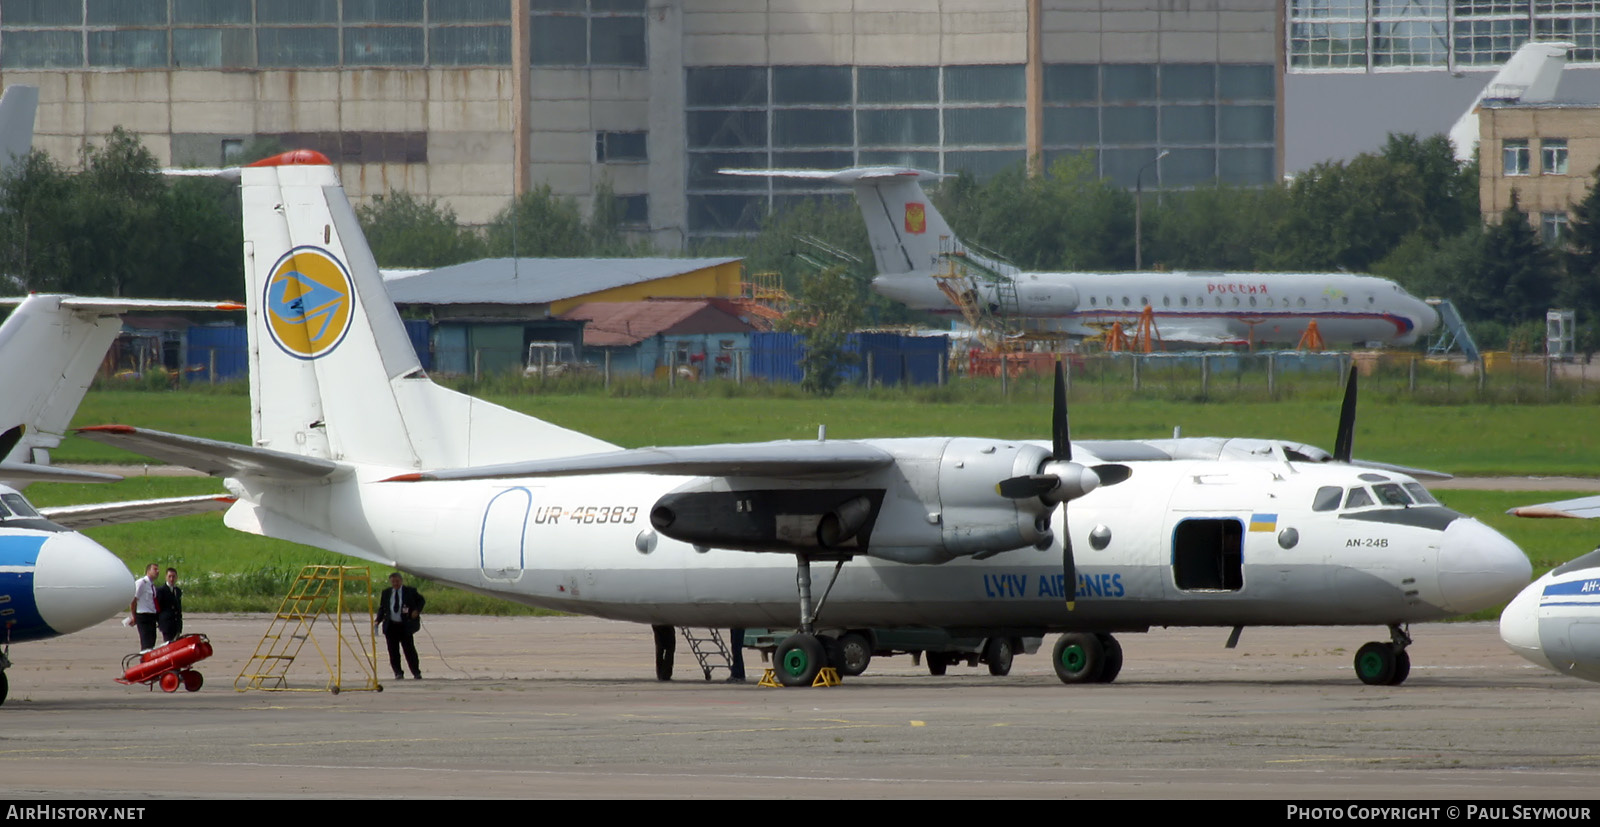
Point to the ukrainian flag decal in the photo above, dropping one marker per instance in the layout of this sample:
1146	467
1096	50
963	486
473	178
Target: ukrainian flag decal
1263	522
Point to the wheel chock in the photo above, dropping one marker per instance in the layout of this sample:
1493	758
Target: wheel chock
829	676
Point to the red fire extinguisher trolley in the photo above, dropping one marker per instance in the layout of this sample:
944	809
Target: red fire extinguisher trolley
168	665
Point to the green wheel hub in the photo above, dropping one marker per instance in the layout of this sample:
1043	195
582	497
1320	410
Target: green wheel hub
796	662
1073	658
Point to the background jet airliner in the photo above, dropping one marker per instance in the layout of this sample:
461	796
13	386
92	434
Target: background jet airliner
357	451
912	243
1555	621
53	580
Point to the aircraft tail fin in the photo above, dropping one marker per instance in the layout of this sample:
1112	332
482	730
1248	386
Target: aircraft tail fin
333	374
18	106
54	346
907	233
1530	76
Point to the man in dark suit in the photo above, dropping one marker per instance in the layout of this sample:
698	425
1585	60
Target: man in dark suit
400	612
169	607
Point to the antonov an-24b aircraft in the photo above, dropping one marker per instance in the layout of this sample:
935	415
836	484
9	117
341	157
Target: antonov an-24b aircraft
53	580
357	451
912	244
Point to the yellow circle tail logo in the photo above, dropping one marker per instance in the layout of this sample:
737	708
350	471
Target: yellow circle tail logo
309	301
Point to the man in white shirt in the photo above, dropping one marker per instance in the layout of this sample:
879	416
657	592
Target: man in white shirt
143	607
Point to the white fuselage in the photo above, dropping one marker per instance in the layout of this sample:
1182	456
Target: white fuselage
1199	307
1555	621
53	581
585	544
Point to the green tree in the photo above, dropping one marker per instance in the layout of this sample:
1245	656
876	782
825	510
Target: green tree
539	223
827	310
406	231
1580	288
1515	277
35	195
1214	228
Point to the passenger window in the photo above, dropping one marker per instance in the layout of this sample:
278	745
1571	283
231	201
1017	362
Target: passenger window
1420	494
1359	498
1391	494
1327	499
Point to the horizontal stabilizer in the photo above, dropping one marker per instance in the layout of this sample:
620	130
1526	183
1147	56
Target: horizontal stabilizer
12	473
839	176
219	459
134	511
757	459
1583	508
124	305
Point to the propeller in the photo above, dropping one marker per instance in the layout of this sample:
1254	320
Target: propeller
1344	441
1059	479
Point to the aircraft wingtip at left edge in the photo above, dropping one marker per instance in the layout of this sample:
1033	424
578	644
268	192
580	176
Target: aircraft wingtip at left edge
107	429
1540	512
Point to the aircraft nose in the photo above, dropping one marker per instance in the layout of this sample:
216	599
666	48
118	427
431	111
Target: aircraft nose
1519	625
1427	319
78	583
1479	567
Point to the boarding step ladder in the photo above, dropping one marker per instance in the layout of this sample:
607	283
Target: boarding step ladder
709	649
330	607
1452	333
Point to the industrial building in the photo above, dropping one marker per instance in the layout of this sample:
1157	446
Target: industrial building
471	100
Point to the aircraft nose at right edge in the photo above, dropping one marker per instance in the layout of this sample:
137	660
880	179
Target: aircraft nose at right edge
78	583
1519	625
1478	567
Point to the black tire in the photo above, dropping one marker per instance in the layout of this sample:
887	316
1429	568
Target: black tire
666	647
5	687
1375	663
1113	667
855	654
798	659
998	652
1402	668
1079	658
937	662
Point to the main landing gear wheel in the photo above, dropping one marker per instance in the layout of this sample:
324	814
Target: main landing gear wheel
854	654
937	662
1109	672
1382	664
1079	658
998	653
5	687
798	660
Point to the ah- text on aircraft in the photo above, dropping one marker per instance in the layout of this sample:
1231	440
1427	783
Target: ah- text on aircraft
357	451
1555	621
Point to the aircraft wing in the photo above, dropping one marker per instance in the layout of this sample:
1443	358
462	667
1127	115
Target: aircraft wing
219	459
759	459
1197	332
1584	508
134	511
23	472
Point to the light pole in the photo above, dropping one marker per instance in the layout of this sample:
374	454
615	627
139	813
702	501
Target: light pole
1138	210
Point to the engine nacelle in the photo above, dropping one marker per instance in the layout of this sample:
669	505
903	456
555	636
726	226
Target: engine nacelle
936	503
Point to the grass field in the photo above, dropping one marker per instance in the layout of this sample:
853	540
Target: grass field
232	571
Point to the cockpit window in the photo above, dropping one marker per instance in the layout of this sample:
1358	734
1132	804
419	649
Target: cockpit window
1420	494
17	506
1328	497
1391	494
1359	498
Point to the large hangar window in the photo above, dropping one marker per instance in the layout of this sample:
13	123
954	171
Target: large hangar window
243	34
1398	34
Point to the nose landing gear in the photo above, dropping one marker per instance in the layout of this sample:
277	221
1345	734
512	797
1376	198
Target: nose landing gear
1385	664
